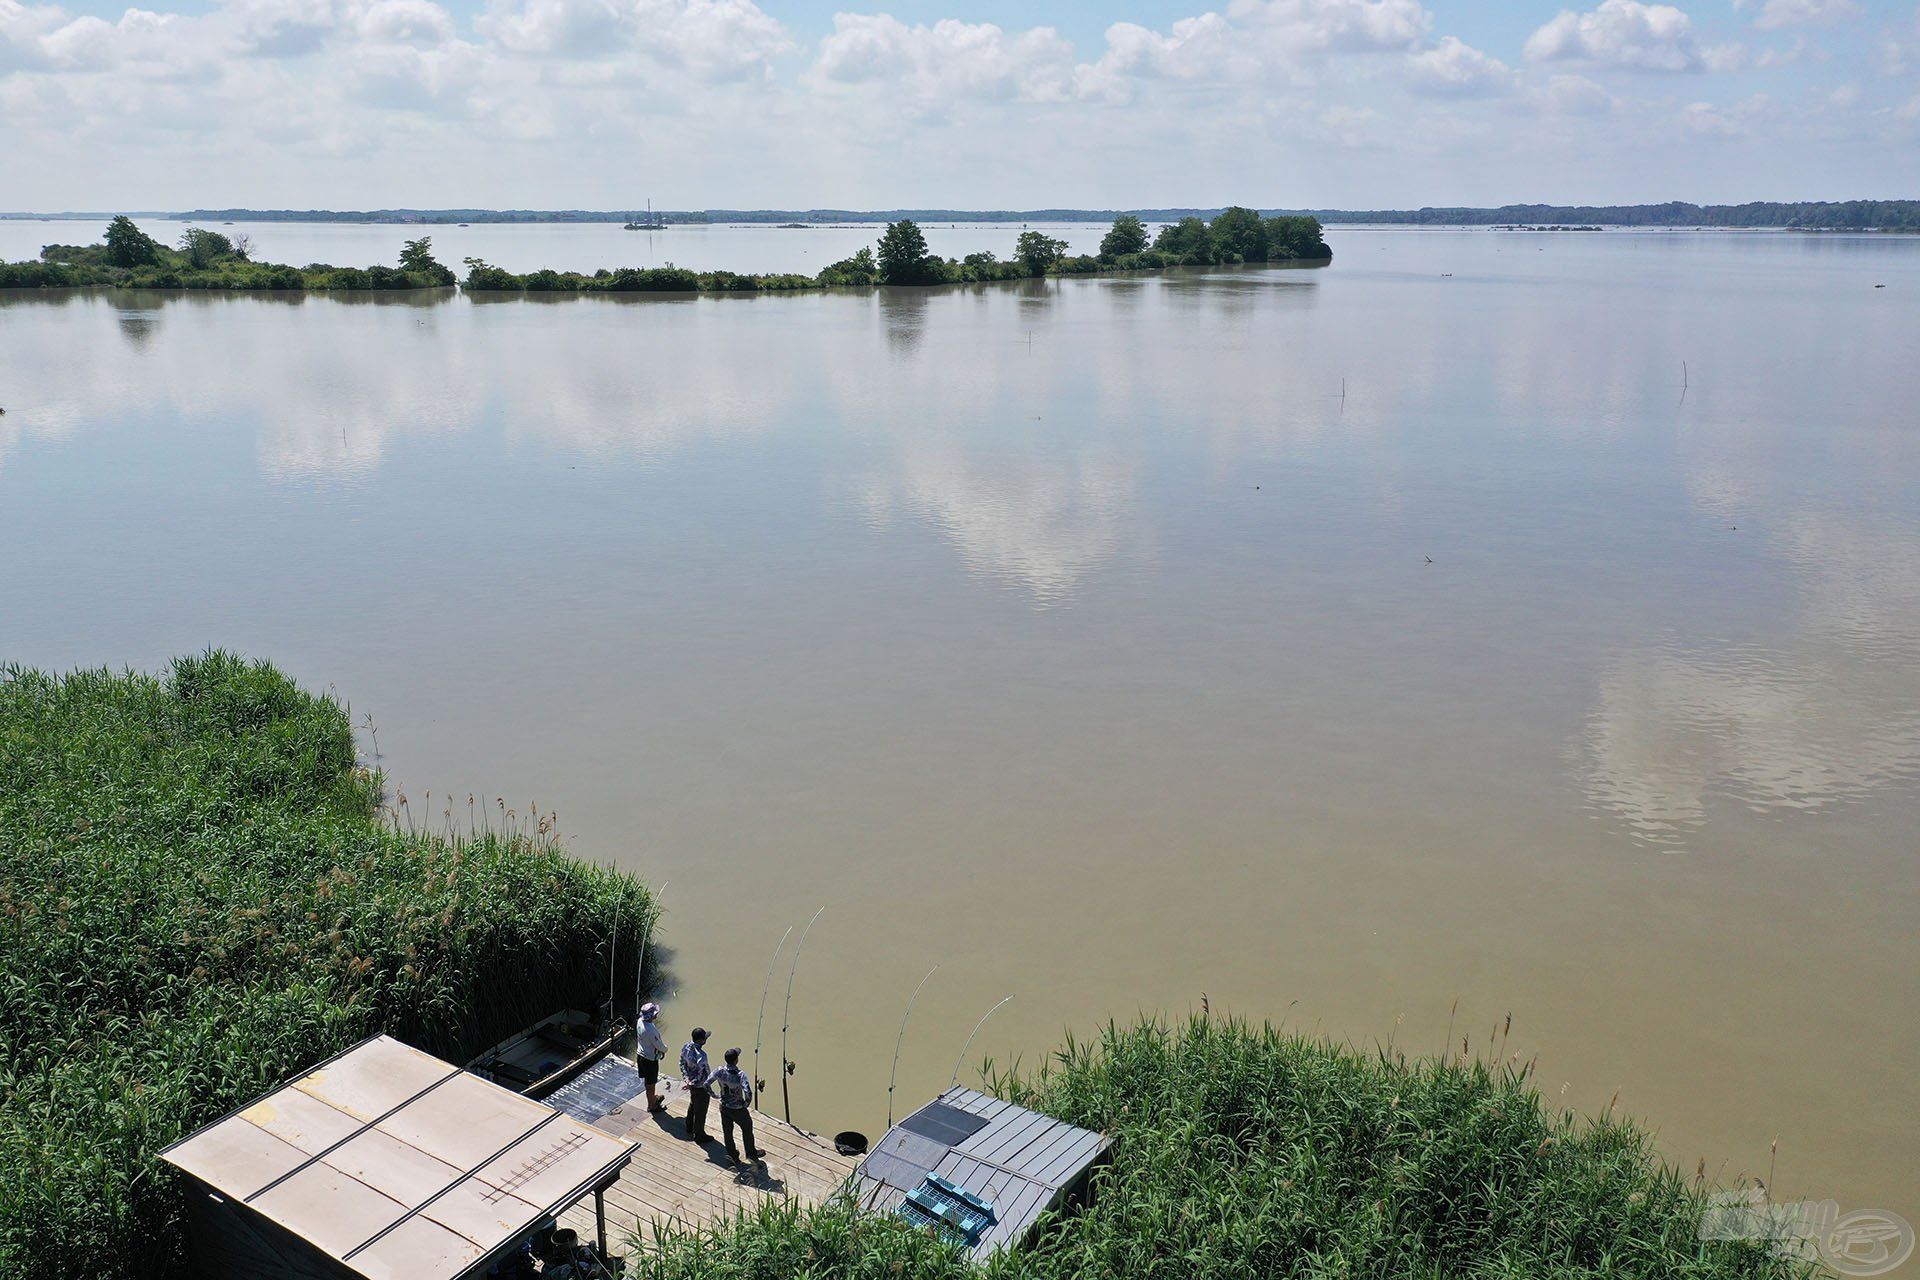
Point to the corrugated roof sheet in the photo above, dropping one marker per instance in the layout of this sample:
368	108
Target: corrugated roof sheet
1021	1161
398	1164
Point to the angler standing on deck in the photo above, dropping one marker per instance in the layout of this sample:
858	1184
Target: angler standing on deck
735	1091
696	1071
651	1047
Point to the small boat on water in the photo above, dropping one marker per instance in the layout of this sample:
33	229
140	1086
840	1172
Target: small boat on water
651	224
549	1053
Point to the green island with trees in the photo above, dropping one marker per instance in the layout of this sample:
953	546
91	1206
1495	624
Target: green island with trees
129	258
203	890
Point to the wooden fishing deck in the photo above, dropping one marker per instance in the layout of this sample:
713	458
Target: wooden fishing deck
673	1181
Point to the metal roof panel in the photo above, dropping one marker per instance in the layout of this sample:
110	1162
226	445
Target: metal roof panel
238	1159
418	1247
325	1206
393	1168
397	1164
301	1119
465	1120
371	1079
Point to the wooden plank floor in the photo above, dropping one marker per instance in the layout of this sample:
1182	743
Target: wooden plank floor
671	1180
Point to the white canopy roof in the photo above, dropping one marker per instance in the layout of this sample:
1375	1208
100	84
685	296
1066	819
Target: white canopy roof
398	1164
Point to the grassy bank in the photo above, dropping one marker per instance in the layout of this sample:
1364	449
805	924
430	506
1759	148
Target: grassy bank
198	897
1243	1151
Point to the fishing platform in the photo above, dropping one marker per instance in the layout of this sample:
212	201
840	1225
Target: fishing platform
384	1162
673	1182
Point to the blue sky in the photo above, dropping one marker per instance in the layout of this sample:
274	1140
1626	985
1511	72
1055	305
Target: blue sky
963	103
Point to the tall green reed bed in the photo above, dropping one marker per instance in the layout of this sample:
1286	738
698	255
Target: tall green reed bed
1243	1151
199	895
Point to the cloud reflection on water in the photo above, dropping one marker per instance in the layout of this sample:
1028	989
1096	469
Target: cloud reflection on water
1826	717
1043	523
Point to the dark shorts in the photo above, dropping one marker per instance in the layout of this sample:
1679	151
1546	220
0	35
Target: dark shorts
649	1069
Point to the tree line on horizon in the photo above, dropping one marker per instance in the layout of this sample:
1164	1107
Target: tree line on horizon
1813	215
128	257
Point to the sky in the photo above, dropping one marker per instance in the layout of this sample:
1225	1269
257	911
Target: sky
972	104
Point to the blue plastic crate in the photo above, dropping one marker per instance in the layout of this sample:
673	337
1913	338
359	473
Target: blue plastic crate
952	1211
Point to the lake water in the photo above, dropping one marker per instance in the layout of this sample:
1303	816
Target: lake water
1527	621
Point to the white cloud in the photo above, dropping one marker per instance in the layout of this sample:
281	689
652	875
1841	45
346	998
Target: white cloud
1726	122
947	60
409	22
1254	41
23	32
1792	13
1314	26
1454	67
1621	33
1192	49
1568	95
712	39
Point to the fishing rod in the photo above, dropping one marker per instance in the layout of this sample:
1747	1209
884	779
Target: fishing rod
786	1017
613	952
640	965
892	1075
969	1044
758	1083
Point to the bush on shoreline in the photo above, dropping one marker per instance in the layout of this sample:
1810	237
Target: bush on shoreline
128	258
1244	1151
199	897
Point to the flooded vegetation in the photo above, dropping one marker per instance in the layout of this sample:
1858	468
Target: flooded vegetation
129	258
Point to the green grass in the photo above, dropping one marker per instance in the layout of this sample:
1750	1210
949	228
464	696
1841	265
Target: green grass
1242	1151
198	898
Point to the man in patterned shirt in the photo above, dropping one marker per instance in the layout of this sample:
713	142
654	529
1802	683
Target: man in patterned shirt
735	1091
696	1071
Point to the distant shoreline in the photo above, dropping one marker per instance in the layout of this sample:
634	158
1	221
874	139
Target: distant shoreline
1844	215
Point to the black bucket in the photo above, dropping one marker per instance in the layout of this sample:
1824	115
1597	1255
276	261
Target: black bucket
849	1143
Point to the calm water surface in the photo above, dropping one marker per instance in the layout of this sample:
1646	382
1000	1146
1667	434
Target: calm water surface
1531	621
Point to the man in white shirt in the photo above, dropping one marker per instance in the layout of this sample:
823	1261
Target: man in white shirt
651	1046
